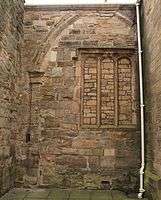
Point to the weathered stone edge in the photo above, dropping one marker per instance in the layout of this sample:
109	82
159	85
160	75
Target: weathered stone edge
80	6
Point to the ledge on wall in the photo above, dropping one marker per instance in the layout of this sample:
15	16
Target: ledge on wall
79	6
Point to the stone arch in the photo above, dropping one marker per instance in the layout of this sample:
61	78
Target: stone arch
124	60
125	18
43	48
55	31
125	90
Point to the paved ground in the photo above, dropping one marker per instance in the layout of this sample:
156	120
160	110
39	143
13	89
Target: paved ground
57	194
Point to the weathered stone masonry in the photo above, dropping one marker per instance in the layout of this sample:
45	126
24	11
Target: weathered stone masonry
69	110
82	130
11	21
152	67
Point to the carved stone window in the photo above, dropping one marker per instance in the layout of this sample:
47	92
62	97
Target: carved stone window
108	89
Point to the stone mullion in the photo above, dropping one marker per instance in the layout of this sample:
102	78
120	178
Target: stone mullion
99	92
116	94
82	91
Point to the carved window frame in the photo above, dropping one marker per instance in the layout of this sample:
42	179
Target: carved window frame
116	55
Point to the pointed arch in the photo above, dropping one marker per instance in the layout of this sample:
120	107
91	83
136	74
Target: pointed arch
43	48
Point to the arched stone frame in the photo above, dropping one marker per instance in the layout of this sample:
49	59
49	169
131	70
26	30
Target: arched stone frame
131	56
56	32
116	55
124	67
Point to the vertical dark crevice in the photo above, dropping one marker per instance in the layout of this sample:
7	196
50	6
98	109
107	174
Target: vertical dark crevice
28	133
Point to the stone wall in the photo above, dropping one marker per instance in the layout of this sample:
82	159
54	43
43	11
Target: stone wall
11	18
152	67
83	123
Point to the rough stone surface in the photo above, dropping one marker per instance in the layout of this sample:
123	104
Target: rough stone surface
69	110
152	68
11	22
81	122
65	194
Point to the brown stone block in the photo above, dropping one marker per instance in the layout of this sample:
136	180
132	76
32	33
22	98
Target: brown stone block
4	122
80	143
93	120
107	162
86	120
78	71
51	122
109	152
35	16
121	162
91	102
71	161
75	108
58	142
70	151
92	71
28	23
48	157
87	76
90	43
92	180
5	151
69	126
94	162
50	22
75	31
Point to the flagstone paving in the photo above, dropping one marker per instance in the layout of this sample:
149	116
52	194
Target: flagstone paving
60	194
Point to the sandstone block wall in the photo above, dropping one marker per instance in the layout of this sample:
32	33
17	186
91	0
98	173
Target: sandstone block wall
83	125
69	113
152	67
11	21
